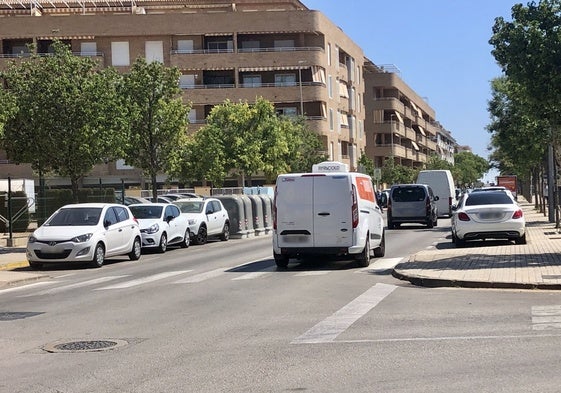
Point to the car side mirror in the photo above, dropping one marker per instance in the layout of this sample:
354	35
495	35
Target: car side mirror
169	218
106	223
209	211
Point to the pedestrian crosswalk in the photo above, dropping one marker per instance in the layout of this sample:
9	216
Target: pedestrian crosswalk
189	276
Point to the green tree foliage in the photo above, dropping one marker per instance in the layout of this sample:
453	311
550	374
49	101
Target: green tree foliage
434	163
245	139
156	118
398	174
468	168
68	116
7	109
365	164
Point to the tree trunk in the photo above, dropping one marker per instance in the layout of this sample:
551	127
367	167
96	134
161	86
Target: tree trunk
154	182
74	182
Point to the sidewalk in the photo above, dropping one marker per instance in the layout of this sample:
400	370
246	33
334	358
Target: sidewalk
536	265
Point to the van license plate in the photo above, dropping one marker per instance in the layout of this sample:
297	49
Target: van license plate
295	238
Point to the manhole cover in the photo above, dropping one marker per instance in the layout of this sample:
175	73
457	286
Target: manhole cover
85	345
11	316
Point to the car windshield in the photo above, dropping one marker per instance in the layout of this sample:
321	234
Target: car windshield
190	206
488	198
408	194
141	212
77	216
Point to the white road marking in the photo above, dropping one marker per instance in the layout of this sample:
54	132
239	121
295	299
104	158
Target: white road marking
313	273
381	265
450	338
76	285
140	281
202	276
546	317
328	329
252	275
23	287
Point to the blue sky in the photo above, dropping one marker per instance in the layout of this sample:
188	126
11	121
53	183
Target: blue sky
441	48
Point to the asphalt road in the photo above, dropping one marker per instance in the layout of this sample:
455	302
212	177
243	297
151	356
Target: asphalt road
222	318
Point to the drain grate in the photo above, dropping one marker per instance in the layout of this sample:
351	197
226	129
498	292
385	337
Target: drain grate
12	316
85	346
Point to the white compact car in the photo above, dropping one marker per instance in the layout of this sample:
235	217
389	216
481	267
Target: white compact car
488	215
207	217
85	232
161	225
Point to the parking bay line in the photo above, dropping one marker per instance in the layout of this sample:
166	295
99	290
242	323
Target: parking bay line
327	330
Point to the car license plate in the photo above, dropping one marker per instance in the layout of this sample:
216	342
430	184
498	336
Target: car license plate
490	216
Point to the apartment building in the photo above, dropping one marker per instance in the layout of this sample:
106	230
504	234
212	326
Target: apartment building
238	50
399	124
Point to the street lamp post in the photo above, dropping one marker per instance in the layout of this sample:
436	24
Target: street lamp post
300	62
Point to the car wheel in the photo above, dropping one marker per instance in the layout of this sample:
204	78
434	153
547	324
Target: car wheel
162	247
364	257
281	260
225	233
134	255
381	250
521	239
186	239
201	237
35	265
390	223
99	255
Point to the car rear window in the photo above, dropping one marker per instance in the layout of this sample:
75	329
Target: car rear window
488	198
146	211
408	194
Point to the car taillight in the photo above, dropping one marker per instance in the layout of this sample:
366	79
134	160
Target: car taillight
354	210
463	217
518	214
427	204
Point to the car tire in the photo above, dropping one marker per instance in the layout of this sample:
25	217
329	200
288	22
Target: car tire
136	251
391	225
163	245
35	265
98	256
281	260
364	257
186	239
225	235
521	239
380	251
201	237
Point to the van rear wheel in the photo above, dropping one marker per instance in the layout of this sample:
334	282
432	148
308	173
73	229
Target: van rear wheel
364	257
281	260
381	250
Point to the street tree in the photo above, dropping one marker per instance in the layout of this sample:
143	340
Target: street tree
68	116
468	168
366	164
397	174
156	119
434	162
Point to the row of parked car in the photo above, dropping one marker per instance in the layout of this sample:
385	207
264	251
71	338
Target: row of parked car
91	232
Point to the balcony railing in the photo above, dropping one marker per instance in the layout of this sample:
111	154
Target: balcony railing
199	51
283	49
209	86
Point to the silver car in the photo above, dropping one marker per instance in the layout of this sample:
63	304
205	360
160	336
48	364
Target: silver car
412	203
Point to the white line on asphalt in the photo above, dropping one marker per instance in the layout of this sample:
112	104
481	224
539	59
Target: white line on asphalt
76	285
34	285
381	265
451	338
546	317
328	329
202	276
252	275
140	281
313	273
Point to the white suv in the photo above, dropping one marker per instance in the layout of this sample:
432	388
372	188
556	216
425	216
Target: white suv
207	217
85	232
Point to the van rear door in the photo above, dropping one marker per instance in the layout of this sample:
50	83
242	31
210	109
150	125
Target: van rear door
333	201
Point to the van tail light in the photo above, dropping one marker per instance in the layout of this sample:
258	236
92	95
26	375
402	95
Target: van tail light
427	204
275	211
463	217
354	208
517	214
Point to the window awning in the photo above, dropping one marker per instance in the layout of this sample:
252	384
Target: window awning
415	146
399	118
419	129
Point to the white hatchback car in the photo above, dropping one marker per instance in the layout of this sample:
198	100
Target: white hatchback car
161	225
85	232
207	217
488	215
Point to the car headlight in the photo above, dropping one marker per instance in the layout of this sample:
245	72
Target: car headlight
192	221
153	228
82	238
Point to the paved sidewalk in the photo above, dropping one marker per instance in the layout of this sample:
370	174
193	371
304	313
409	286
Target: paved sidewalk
536	265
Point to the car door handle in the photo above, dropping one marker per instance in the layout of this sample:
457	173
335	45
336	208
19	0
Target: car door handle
324	214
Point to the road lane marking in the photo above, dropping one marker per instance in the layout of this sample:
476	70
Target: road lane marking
140	281
546	317
313	273
331	327
202	276
23	287
252	275
449	338
76	285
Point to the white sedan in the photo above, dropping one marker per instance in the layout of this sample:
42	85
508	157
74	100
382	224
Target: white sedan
488	215
161	225
85	232
207	217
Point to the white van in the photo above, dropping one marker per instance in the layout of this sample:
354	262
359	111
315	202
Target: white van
442	184
330	211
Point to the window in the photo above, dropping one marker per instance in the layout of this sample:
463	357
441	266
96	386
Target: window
187	81
219	46
328	54
110	217
330	86
185	46
88	49
331	125
120	53
154	51
285	79
250	46
252	80
192	116
288	111
279	44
